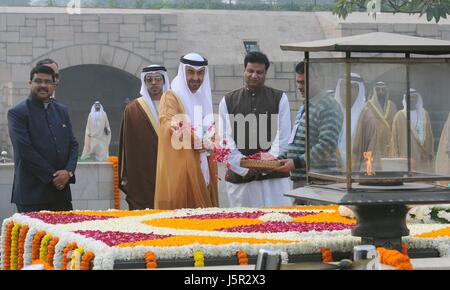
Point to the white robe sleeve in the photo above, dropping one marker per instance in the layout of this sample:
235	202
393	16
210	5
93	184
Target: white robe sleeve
225	133
281	140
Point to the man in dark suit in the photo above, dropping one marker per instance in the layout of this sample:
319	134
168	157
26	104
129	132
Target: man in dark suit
45	150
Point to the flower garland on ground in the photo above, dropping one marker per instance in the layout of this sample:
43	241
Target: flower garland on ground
86	261
14	246
36	246
115	161
22	236
150	260
27	255
242	257
327	257
7	246
75	263
51	250
199	259
395	259
44	247
66	253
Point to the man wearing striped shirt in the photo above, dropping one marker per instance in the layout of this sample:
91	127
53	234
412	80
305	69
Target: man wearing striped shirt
325	122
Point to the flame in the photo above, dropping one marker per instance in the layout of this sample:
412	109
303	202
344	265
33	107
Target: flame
369	161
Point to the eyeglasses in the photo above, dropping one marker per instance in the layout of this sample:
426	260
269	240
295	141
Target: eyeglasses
45	82
151	79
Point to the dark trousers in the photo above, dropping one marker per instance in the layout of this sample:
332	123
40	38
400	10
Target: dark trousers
60	206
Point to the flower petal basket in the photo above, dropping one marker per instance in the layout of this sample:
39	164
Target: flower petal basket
260	164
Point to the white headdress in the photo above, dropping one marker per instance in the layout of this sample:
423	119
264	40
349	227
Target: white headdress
357	108
416	114
154	68
198	105
97	115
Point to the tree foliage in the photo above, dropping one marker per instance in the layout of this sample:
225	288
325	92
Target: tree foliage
433	9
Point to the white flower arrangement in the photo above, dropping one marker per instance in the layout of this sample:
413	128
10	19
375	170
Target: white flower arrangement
444	215
429	214
295	243
2	239
276	217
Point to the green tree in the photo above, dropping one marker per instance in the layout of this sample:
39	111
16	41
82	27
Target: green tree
434	9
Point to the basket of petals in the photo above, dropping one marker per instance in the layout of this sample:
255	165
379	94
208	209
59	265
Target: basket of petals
260	161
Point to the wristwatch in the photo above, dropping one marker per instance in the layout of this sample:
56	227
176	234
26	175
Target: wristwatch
70	174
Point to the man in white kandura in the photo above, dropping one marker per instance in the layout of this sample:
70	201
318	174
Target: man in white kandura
98	135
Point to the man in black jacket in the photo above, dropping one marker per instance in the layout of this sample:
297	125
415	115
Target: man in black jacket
45	149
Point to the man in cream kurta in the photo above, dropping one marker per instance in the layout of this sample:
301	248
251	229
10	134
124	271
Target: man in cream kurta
246	187
186	174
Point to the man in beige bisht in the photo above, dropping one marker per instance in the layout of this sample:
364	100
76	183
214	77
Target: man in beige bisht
186	175
98	135
369	129
381	100
375	126
443	153
422	140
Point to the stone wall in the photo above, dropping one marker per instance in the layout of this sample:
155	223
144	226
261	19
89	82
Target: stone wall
32	36
127	42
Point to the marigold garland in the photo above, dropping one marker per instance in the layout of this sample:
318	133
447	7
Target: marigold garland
242	257
14	246
445	232
334	217
86	261
115	161
67	251
7	246
22	236
327	257
44	247
150	260
405	249
202	224
36	246
199	259
177	241
44	263
51	250
395	259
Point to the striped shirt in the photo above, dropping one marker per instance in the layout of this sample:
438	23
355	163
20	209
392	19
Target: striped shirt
325	122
